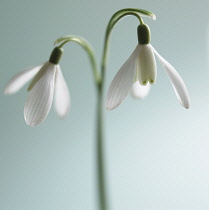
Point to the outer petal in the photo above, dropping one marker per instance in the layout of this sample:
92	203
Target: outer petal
39	75
62	95
177	82
140	91
123	81
40	98
19	80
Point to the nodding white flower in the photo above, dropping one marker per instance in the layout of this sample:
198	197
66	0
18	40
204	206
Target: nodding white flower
140	70
48	82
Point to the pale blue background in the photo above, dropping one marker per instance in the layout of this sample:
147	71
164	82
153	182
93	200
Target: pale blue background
157	152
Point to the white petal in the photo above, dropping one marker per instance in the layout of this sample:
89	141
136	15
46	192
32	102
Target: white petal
38	75
19	80
123	81
146	65
177	82
140	91
40	98
62	95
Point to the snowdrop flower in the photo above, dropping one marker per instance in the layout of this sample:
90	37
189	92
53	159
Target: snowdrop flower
140	70
48	82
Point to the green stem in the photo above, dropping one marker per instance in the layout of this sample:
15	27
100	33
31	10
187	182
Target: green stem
123	15
103	205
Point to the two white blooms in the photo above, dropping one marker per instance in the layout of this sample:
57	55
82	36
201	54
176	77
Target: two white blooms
135	75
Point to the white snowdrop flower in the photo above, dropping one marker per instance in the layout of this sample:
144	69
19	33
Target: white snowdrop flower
140	70
48	83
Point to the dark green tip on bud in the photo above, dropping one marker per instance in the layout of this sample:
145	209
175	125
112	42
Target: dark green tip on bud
56	55
143	32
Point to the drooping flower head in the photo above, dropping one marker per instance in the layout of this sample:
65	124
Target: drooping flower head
140	70
47	83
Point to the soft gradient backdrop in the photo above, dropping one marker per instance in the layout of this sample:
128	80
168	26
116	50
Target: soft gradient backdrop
157	152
